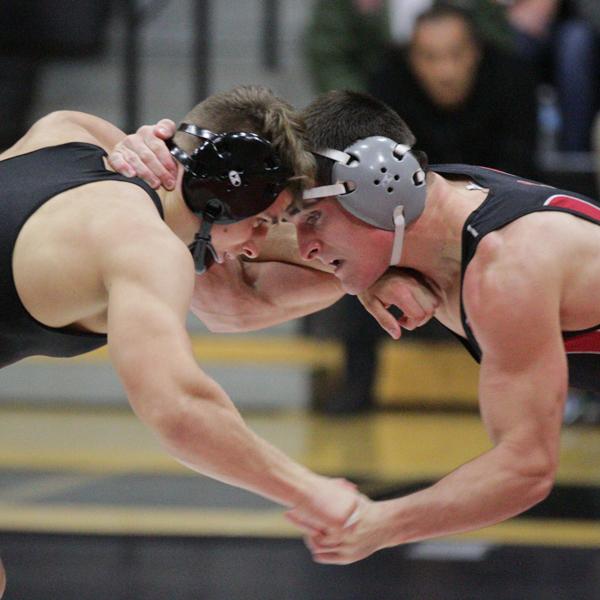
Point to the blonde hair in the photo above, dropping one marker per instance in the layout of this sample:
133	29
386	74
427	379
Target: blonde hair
255	109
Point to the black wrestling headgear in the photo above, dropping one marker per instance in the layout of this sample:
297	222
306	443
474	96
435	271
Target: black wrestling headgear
228	177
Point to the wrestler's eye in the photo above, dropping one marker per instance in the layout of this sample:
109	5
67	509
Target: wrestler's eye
313	217
261	222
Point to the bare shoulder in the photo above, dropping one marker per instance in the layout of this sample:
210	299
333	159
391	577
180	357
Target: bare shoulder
522	254
64	126
530	254
127	237
512	284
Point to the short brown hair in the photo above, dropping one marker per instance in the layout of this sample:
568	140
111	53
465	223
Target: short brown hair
339	118
255	109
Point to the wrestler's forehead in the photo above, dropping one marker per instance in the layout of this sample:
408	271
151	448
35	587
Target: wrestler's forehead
296	213
279	209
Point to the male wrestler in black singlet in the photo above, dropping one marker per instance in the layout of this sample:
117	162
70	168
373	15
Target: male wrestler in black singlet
88	257
515	269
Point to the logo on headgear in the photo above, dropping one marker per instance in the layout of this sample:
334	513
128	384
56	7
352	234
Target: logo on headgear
235	179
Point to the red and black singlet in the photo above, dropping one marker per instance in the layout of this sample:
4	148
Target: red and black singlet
510	198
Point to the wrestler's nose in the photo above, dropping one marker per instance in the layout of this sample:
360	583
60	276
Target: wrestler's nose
251	249
309	249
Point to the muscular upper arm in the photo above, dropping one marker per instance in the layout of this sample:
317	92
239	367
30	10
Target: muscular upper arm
512	300
149	282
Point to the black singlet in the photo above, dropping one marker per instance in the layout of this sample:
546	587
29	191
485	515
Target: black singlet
509	198
26	183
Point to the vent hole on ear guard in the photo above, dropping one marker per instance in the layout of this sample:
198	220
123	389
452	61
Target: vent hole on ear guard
376	182
419	178
397	177
390	190
353	160
383	170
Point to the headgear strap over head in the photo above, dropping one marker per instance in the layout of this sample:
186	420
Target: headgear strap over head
378	181
228	177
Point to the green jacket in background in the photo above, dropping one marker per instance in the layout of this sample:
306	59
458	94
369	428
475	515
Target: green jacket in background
344	46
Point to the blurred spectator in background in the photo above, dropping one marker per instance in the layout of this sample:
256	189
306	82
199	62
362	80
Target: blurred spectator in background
561	39
346	39
31	33
467	102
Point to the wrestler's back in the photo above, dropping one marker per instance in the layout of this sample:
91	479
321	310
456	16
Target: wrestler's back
56	196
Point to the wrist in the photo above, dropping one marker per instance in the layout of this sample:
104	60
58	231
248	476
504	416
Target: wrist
392	530
306	486
293	485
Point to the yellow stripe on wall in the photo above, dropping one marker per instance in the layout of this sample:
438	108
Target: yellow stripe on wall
426	374
409	373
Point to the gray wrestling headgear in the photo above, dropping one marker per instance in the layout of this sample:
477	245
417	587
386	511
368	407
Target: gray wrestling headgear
378	181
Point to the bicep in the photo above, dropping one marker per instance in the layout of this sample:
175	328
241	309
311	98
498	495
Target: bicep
514	315
148	342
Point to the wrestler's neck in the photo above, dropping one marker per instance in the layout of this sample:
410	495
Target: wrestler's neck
179	218
433	243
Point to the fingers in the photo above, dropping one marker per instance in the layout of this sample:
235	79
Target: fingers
146	155
119	164
321	542
347	484
417	302
331	558
165	129
386	320
153	153
420	309
304	522
330	552
415	310
357	538
139	166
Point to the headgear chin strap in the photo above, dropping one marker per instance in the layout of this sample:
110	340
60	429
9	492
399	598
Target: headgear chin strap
378	181
228	177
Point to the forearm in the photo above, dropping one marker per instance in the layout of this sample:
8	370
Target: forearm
265	294
515	474
262	318
483	492
285	292
105	133
209	436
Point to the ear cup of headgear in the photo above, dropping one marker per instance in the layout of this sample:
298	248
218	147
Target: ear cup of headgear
382	175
